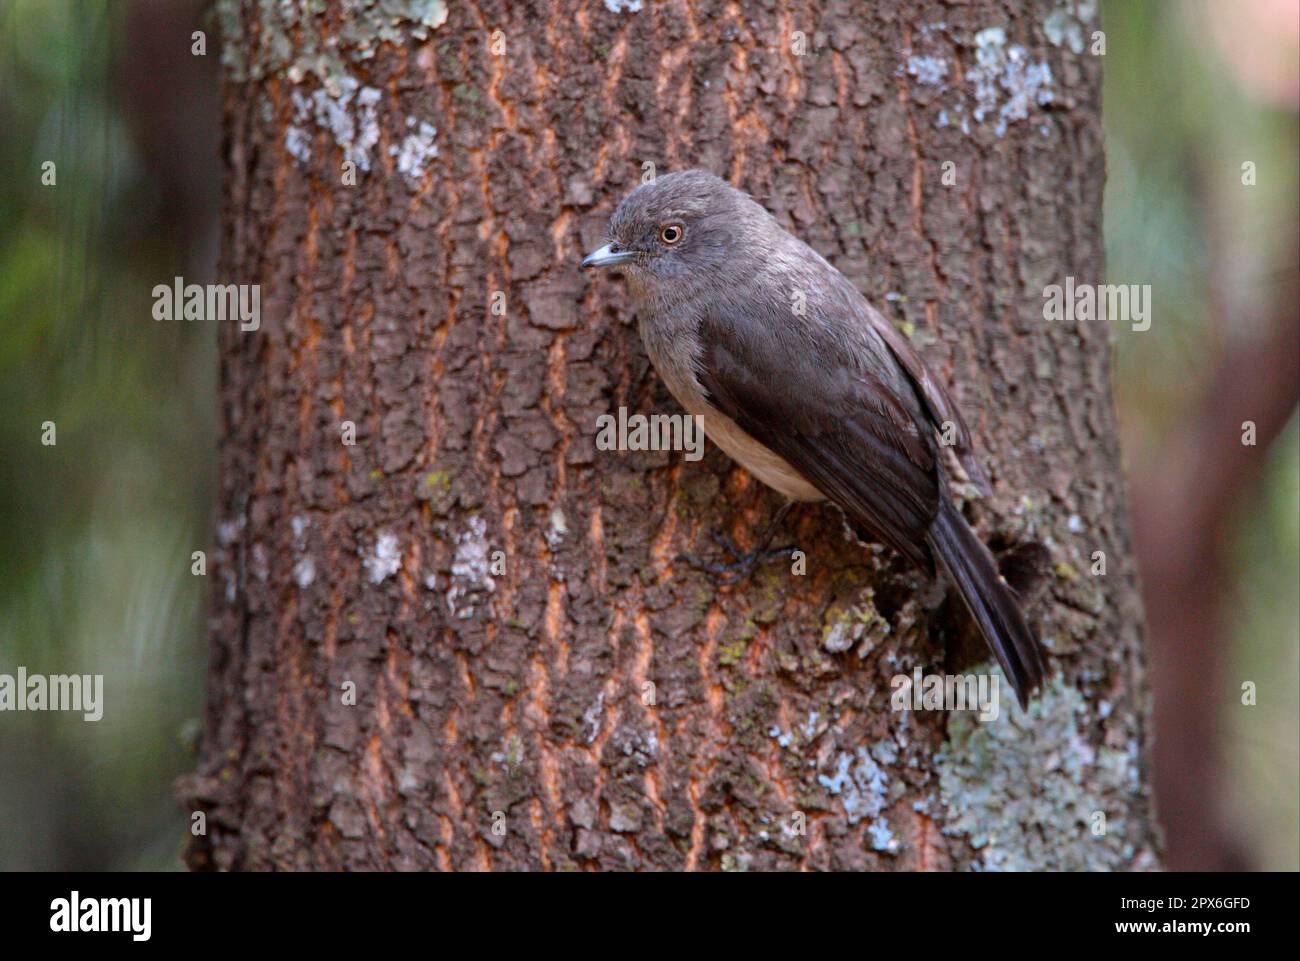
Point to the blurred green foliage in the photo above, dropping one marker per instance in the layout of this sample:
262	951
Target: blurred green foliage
1216	253
96	531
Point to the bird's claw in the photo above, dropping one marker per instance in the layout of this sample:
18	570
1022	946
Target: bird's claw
741	565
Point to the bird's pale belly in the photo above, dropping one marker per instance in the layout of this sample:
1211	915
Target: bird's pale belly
761	461
768	466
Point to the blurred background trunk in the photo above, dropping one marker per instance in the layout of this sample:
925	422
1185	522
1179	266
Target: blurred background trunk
386	690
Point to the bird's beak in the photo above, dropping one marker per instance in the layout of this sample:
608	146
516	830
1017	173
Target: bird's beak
607	256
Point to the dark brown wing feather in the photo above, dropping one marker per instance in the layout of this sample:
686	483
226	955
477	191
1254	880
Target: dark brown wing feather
840	421
939	404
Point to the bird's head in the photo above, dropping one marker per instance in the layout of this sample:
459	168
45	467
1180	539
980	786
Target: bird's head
677	232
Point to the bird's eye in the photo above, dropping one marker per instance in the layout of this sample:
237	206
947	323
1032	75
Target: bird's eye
670	234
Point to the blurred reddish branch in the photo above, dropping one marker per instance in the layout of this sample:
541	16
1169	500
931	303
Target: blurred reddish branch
173	123
1182	508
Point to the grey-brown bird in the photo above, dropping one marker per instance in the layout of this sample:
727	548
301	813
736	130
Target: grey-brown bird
806	385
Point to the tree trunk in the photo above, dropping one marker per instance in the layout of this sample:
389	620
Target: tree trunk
583	699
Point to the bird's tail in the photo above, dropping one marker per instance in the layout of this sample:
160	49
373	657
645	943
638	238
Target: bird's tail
990	600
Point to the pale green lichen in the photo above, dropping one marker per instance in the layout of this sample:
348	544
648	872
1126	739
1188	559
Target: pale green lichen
1014	786
846	625
286	39
729	655
293	39
1008	83
438	478
861	782
1064	26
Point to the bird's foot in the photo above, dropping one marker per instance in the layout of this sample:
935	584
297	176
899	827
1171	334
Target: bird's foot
742	563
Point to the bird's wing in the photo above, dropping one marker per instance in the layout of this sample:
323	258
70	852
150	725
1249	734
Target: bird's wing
939	405
838	420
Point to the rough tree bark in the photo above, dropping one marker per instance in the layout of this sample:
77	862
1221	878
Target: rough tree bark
600	704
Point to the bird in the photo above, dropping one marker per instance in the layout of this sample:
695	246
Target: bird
807	386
